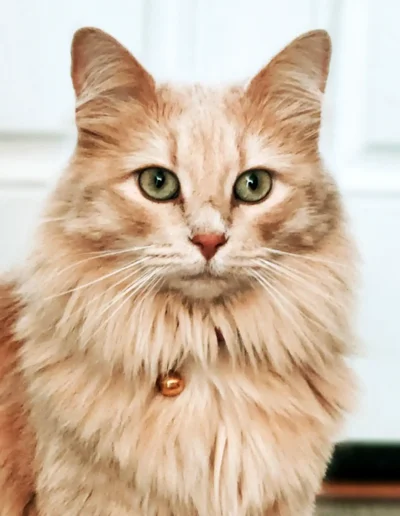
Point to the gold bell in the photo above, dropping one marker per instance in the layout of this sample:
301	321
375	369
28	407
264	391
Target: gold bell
170	384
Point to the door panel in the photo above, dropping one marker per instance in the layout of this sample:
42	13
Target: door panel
219	42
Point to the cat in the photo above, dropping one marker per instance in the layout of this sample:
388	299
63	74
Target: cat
176	343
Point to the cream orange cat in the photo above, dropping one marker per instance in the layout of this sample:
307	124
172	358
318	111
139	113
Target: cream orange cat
195	234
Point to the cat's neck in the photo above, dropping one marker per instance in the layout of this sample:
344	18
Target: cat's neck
161	331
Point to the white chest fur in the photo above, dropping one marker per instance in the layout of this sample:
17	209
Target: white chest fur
233	441
253	425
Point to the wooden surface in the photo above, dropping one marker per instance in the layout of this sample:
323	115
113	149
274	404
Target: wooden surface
361	491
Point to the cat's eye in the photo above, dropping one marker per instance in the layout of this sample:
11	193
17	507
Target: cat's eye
159	184
253	185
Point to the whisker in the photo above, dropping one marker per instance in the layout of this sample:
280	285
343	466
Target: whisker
163	254
98	280
137	284
316	323
129	293
272	290
298	330
277	300
122	280
293	274
120	251
94	256
305	257
302	273
149	289
306	283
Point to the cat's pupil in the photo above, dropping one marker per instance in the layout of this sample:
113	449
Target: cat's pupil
159	180
252	182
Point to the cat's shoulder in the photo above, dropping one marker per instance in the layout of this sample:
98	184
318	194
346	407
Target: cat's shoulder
9	311
16	437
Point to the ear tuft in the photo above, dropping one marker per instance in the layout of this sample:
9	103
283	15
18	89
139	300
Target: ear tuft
101	64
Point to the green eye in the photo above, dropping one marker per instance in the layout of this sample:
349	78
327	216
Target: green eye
253	186
159	184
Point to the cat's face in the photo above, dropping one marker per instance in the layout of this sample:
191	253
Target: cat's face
203	185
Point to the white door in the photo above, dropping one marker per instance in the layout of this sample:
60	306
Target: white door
220	41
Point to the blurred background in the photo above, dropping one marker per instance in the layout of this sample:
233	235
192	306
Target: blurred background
220	41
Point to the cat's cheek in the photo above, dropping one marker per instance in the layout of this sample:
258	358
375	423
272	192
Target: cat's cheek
281	194
255	224
129	190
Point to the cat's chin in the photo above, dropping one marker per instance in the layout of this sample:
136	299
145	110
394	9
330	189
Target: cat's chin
204	287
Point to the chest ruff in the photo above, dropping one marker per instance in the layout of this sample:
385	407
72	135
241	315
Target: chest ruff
172	383
216	435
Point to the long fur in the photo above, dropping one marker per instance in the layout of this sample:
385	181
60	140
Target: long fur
114	294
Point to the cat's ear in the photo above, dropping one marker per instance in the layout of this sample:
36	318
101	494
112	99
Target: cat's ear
303	63
100	64
294	81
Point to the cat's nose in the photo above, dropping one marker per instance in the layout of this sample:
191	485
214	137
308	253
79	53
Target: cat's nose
209	243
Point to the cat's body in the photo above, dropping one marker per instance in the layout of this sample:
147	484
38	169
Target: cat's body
115	294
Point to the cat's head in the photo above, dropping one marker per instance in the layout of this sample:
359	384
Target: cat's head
197	186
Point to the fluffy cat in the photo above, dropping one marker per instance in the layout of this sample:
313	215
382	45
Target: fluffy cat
195	231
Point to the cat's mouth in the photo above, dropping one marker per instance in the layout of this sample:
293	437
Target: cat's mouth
205	274
206	282
198	276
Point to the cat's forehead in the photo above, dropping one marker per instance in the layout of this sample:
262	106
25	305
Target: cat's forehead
205	126
178	99
202	131
205	115
204	134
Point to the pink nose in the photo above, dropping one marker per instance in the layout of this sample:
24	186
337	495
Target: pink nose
209	243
